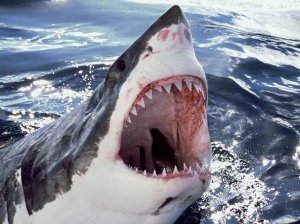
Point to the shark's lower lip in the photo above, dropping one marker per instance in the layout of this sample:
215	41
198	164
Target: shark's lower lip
162	127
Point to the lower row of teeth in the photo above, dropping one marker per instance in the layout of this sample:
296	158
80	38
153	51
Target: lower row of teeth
187	170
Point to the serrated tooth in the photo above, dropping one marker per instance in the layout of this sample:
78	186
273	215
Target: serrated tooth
197	87
198	166
136	169
190	171
175	171
185	167
200	102
189	84
133	111
149	94
164	173
168	87
129	120
202	170
159	88
141	102
145	173
200	90
154	173
203	94
178	84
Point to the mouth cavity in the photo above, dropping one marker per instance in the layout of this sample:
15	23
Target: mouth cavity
162	127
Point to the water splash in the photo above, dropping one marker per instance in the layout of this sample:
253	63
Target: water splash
235	195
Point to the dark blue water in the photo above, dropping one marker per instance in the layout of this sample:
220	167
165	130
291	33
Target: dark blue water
54	53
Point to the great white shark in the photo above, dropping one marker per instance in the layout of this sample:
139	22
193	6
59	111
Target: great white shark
137	151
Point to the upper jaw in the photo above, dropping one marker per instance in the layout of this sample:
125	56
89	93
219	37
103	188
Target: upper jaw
150	72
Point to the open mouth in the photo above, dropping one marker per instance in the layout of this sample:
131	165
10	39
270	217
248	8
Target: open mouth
161	131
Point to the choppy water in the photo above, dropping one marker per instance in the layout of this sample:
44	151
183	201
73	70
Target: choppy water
54	53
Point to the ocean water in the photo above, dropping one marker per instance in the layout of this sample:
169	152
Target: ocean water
54	53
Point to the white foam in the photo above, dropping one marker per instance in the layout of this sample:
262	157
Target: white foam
275	18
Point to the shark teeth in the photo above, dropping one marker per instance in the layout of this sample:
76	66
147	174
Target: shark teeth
133	111
129	120
185	168
198	166
189	87
141	102
167	87
175	170
168	173
178	84
158	88
149	94
190	171
189	84
197	87
164	173
154	173
182	85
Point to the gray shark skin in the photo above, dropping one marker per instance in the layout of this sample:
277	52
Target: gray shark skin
83	166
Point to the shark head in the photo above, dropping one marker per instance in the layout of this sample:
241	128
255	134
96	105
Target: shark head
138	151
156	154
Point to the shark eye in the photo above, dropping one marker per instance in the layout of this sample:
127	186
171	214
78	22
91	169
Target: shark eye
150	49
120	65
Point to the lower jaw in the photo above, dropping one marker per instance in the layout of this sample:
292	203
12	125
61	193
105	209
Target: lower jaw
201	174
114	179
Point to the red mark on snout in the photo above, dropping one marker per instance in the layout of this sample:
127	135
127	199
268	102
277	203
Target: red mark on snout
146	55
163	35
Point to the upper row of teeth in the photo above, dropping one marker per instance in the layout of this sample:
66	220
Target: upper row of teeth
167	88
175	171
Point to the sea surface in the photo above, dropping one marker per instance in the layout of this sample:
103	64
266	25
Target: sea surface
54	53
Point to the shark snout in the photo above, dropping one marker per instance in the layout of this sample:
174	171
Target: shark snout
173	37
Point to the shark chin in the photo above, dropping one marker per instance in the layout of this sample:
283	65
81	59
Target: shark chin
137	151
